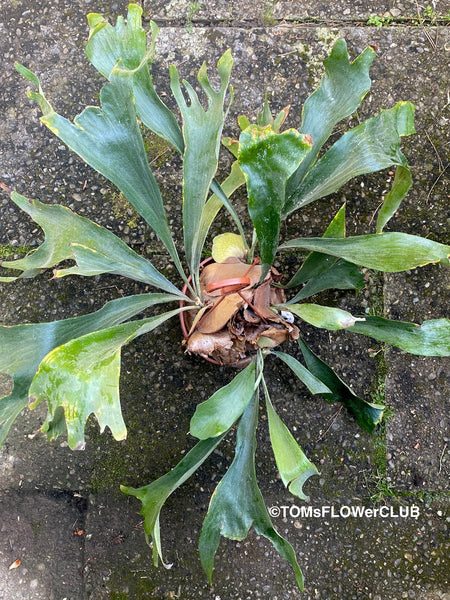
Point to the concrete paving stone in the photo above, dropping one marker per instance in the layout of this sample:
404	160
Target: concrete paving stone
268	12
41	548
342	556
355	9
417	438
285	58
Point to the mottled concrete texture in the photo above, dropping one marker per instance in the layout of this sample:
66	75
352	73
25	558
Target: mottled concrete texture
269	12
61	513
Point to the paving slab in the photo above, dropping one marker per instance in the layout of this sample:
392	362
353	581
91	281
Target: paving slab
382	559
41	553
400	555
268	12
358	9
417	438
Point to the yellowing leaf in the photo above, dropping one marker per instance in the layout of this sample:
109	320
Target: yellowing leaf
324	316
294	467
227	245
81	377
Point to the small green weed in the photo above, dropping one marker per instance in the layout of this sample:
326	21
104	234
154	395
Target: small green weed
378	21
268	17
428	13
193	8
382	488
10	251
429	16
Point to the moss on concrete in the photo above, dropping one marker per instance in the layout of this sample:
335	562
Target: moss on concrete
8	252
122	209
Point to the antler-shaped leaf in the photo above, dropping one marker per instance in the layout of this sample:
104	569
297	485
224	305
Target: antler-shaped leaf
237	503
123	48
156	493
109	140
24	346
201	131
341	91
268	159
372	146
82	377
96	249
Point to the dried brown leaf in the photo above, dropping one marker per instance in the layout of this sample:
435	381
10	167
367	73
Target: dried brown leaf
237	322
261	302
220	313
250	316
15	564
231	269
206	344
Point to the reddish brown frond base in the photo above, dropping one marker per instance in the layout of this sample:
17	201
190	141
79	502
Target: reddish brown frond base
238	319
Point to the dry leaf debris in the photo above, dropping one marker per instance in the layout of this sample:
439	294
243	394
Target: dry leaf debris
238	319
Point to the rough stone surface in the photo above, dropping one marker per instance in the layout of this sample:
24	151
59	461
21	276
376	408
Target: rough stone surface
417	388
62	514
268	12
41	553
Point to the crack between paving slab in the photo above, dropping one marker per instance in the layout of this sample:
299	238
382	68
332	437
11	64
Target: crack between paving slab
430	30
231	23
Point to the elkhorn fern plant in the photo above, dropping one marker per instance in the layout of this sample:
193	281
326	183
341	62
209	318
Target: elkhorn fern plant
234	308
